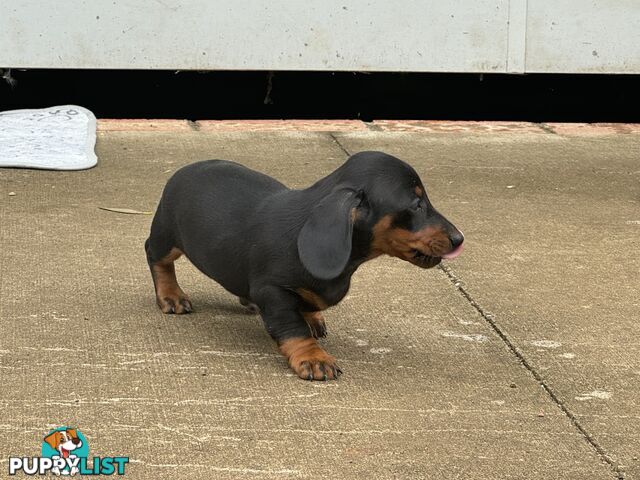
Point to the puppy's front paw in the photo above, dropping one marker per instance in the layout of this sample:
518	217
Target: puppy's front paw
174	302
309	360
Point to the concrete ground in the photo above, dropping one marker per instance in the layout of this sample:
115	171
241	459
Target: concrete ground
519	360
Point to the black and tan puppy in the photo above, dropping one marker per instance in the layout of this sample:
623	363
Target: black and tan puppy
293	252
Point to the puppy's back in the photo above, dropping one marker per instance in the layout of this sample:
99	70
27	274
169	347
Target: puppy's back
205	210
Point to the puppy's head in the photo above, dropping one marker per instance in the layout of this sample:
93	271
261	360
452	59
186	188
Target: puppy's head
383	201
402	221
67	439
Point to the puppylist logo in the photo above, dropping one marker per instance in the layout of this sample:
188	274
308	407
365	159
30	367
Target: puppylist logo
65	451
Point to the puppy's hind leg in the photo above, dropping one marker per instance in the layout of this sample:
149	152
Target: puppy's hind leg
169	296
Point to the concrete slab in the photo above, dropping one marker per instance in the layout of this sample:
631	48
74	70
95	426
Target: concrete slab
553	234
429	390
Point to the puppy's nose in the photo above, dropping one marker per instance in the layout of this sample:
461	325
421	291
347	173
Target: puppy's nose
456	238
76	441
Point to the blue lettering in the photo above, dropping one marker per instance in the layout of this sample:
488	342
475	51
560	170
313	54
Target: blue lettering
84	469
107	466
121	461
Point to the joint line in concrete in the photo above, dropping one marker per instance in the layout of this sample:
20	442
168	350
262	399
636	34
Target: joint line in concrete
373	126
488	317
333	137
546	128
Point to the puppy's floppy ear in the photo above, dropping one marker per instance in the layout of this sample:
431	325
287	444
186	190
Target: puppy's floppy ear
324	243
72	432
53	439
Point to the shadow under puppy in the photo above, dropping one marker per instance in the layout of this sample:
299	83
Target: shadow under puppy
292	252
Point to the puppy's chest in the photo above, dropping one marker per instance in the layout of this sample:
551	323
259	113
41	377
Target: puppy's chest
321	297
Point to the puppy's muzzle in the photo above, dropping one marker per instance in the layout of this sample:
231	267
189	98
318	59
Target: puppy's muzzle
457	245
447	246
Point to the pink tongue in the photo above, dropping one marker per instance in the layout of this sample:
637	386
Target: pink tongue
454	253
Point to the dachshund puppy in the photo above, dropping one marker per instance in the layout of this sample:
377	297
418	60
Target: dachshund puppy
291	253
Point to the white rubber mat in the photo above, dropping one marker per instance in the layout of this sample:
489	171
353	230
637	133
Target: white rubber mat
54	138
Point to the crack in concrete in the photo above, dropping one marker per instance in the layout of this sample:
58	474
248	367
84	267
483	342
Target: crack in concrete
489	318
373	127
457	283
335	140
543	126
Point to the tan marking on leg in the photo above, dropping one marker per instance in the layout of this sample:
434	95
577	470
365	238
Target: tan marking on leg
316	323
312	299
169	295
309	360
